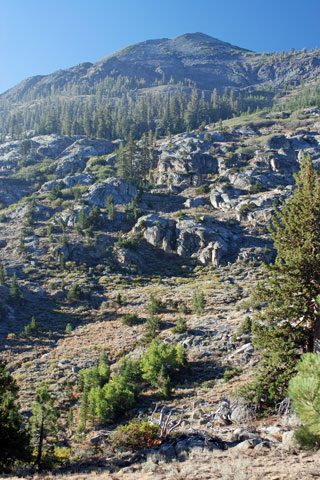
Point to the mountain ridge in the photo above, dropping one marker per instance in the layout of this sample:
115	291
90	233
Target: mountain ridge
205	60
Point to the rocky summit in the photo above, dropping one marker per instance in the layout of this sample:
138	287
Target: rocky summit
151	234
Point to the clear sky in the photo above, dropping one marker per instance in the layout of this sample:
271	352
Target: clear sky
39	37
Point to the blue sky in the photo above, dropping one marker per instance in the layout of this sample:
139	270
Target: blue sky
42	36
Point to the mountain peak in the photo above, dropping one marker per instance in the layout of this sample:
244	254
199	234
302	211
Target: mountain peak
198	36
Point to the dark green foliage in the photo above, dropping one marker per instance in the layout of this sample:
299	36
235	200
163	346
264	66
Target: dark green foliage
245	328
25	147
56	191
288	320
14	441
75	293
278	346
92	221
30	329
120	299
256	188
43	422
181	326
204	188
228	374
15	292
110	207
246	208
153	324
96	376
3	275
130	319
183	308
130	243
198	302
155	305
308	97
62	262
92	110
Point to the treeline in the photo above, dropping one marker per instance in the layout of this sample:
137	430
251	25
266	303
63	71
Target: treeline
309	96
98	116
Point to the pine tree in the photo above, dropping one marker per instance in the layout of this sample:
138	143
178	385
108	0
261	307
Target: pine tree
43	421
304	390
110	207
289	320
3	275
14	441
15	292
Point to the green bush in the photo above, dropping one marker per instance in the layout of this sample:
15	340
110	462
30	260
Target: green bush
130	319
155	305
74	293
181	215
198	302
256	188
68	328
181	326
129	243
278	348
246	208
30	329
204	188
304	390
245	327
153	327
136	435
161	356
104	398
228	374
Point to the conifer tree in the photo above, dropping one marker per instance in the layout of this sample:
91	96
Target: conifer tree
14	441
3	275
110	207
304	390
15	292
288	322
43	421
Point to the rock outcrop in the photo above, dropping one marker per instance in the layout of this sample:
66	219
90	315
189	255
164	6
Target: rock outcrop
121	191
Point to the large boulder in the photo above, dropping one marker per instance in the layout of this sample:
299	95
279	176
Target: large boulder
206	243
224	197
75	157
122	192
213	253
184	161
158	231
70	181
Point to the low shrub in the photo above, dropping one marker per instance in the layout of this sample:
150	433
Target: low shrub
198	302
136	435
181	326
155	305
304	391
130	319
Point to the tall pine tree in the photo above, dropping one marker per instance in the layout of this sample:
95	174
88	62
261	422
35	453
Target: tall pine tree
288	322
14	441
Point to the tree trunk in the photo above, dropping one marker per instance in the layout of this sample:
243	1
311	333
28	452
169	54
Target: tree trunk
38	460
